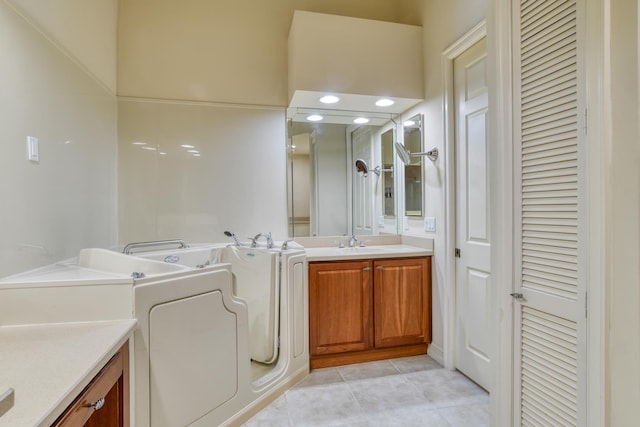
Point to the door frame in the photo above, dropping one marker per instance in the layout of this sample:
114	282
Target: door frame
473	36
499	46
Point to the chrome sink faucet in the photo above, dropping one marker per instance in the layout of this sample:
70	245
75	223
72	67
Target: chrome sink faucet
254	240
352	241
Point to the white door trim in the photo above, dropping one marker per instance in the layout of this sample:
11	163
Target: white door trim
599	145
500	134
449	308
348	166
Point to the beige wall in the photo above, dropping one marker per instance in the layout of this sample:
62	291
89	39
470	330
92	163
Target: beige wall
238	182
85	30
231	51
67	201
356	56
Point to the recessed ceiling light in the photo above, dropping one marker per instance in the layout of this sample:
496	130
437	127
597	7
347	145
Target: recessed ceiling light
196	155
149	148
193	151
162	153
187	146
139	143
408	123
361	120
384	102
329	99
293	147
314	118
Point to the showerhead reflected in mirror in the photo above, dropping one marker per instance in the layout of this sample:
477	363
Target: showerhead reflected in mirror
361	167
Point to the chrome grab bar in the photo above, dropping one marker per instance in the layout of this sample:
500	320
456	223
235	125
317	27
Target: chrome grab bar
127	249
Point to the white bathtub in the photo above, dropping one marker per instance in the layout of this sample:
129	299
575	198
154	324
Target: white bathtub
277	315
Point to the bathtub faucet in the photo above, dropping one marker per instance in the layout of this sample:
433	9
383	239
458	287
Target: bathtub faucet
232	235
254	240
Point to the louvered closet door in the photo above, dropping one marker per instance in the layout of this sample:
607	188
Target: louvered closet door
550	315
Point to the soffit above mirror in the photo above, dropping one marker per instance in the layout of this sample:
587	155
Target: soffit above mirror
339	54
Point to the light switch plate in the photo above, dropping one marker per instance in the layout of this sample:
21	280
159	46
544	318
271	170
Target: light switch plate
33	149
430	224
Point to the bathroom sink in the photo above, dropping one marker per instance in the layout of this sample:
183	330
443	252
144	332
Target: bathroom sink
364	252
114	262
360	249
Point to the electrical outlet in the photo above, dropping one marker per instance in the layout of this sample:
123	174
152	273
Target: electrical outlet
430	224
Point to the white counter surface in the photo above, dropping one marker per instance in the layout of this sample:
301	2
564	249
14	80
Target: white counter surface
367	252
48	365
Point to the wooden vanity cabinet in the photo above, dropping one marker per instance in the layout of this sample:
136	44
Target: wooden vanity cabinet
110	384
368	310
402	302
340	307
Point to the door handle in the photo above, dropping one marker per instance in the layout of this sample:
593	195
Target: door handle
517	295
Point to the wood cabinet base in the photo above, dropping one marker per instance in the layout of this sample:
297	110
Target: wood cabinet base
346	358
105	401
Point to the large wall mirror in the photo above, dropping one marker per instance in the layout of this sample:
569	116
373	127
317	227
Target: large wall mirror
341	176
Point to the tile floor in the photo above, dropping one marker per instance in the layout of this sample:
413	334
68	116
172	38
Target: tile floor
410	391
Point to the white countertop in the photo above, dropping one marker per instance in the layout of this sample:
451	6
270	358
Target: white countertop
61	273
48	365
367	252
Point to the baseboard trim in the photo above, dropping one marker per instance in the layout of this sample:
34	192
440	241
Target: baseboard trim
436	353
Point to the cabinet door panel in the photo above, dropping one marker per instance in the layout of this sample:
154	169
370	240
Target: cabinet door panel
340	305
402	298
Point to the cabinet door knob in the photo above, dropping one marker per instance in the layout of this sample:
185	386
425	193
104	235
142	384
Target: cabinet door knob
379	267
97	404
366	269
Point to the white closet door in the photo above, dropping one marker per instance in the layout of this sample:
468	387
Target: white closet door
549	353
473	262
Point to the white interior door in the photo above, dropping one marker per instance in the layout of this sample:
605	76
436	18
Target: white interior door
363	187
549	324
473	276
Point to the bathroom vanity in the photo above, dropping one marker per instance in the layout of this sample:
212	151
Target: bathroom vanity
57	370
368	303
105	401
